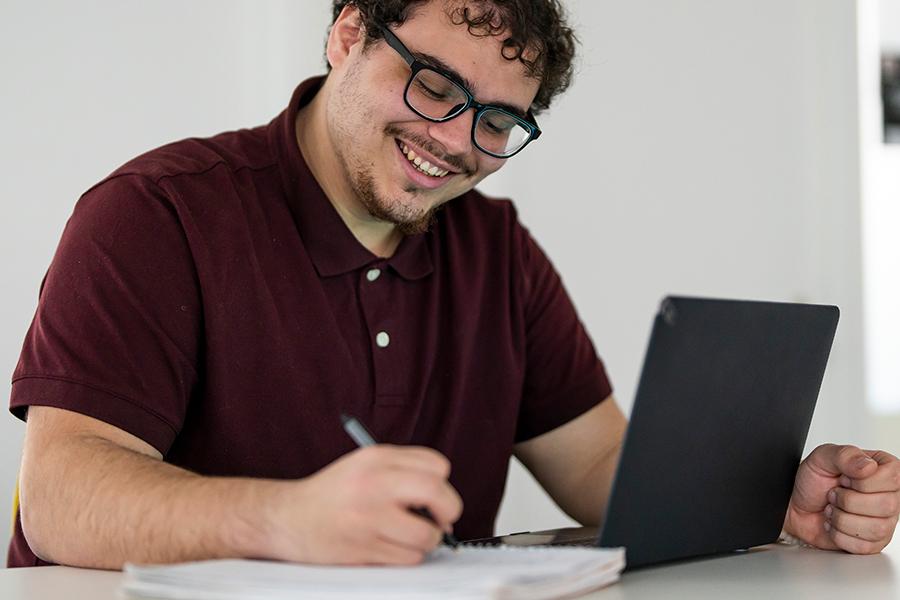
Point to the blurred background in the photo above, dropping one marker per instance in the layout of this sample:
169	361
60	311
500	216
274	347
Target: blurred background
734	149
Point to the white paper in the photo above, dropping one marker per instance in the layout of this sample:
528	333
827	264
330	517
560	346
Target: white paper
471	572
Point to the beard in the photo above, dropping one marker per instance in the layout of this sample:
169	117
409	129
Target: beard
408	220
403	212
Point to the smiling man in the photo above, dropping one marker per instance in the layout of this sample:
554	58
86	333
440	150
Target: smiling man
216	304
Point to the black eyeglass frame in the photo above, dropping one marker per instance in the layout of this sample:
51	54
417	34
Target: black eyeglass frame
415	65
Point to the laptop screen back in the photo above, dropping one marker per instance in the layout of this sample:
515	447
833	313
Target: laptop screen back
718	427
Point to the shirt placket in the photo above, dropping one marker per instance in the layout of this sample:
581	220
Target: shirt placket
377	286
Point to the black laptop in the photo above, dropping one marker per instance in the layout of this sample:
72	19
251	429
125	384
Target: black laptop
716	432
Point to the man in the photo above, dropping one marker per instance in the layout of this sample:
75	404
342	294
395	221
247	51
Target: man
216	304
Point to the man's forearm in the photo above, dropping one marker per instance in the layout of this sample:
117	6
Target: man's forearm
97	496
89	502
576	462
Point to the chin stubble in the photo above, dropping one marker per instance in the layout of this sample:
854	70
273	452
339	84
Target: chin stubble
407	219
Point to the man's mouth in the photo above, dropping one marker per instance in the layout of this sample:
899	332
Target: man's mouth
421	165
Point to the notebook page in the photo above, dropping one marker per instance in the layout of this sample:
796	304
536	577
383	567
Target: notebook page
468	572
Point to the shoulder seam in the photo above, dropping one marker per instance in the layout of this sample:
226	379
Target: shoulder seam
210	168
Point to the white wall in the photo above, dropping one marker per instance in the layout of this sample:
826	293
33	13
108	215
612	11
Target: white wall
889	24
706	148
879	28
86	85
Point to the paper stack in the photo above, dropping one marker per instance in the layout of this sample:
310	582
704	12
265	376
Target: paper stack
470	572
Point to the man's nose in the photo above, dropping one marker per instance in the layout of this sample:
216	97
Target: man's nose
455	135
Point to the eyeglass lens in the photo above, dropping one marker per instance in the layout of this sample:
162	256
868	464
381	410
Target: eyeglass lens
434	96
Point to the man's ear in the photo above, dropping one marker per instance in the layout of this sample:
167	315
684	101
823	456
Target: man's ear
347	31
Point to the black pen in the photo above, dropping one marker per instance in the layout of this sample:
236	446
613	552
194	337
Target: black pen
363	439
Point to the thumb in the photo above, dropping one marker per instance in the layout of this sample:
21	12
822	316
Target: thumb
836	460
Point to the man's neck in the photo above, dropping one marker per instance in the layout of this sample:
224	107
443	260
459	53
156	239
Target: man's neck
379	237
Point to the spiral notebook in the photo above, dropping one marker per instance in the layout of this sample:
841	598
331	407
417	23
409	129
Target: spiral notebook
470	572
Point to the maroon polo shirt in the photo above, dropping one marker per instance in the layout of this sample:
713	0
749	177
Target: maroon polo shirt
207	298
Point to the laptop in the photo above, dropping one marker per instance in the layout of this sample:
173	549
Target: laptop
716	432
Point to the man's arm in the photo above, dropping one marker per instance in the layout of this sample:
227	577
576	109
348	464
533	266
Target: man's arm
844	497
576	462
93	495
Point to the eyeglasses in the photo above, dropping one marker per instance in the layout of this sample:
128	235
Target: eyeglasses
436	96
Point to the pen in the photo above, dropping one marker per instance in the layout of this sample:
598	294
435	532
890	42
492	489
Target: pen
363	439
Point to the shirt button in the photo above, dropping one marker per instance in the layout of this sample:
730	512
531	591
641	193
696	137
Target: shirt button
382	339
373	274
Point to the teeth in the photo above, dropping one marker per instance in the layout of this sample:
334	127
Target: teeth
423	165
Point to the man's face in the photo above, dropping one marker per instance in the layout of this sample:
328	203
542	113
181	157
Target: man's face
373	131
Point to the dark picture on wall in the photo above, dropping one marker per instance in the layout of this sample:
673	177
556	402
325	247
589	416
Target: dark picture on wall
890	97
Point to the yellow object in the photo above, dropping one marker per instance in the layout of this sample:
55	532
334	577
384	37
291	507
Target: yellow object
15	506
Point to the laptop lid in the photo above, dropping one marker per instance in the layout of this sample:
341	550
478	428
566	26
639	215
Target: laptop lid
718	427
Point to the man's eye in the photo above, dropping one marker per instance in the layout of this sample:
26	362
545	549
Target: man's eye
432	93
497	126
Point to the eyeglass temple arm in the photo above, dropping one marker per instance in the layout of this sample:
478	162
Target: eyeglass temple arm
395	43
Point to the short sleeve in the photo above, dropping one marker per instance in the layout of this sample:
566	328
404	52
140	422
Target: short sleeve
116	331
564	377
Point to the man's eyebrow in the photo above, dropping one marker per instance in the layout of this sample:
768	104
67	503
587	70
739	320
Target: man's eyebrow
434	61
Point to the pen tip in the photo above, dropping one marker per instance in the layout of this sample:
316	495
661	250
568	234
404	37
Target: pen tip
345	418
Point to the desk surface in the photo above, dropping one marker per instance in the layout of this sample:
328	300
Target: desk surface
767	572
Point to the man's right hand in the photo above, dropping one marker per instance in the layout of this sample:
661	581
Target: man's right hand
356	510
95	496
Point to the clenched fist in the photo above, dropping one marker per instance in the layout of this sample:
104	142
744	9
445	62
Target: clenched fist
845	498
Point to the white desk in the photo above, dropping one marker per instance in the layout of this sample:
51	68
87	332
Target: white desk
767	572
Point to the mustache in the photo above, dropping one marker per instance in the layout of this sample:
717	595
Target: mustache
429	146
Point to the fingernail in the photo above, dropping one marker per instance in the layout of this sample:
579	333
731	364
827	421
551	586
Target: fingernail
845	481
832	497
828	511
863	462
827	526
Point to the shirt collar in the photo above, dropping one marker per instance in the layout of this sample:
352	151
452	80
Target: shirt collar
332	247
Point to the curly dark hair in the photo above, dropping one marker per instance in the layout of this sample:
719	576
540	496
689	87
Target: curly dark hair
538	37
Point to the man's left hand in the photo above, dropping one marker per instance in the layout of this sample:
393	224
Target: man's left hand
845	498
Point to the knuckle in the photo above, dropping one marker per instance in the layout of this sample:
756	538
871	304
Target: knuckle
432	487
457	507
443	464
882	530
837	514
840	497
438	456
892	504
895	475
872	548
847	453
437	461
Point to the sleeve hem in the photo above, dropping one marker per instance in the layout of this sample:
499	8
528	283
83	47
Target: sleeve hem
92	401
569	404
